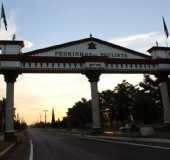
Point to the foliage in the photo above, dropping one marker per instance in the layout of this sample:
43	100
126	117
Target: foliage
20	125
150	90
124	100
79	116
145	109
126	103
119	101
151	87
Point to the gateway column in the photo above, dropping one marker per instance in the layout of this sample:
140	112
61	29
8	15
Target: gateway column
93	78
162	57
163	79
10	79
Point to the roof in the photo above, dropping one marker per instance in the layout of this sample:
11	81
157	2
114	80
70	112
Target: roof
158	48
11	42
86	40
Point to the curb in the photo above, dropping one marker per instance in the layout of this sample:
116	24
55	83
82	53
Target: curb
7	149
132	139
149	140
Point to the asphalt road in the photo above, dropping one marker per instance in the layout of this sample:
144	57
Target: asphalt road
49	145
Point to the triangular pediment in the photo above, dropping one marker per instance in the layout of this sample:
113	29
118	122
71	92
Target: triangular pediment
88	47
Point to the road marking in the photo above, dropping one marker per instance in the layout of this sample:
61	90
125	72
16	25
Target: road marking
7	149
31	150
132	144
145	145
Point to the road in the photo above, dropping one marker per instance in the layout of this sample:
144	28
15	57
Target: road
49	145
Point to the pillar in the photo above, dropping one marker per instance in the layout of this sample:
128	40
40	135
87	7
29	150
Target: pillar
10	79
163	79
93	78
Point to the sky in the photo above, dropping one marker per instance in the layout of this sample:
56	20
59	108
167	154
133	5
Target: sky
40	23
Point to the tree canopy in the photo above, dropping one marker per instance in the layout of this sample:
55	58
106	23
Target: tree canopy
126	103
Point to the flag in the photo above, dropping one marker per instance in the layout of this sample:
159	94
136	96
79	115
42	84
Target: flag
3	16
165	28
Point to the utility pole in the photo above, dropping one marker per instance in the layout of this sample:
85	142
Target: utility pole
40	117
45	116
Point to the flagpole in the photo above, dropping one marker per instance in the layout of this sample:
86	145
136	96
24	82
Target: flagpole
166	41
1	18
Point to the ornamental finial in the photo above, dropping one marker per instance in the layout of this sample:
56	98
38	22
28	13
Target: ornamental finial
91	36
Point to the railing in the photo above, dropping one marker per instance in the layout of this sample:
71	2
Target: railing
28	64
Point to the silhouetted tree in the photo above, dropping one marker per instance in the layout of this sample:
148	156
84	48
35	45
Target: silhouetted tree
80	114
150	90
124	96
53	118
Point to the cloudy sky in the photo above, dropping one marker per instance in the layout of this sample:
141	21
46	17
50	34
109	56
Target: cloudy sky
40	23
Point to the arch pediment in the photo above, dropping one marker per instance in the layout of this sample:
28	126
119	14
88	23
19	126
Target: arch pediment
88	47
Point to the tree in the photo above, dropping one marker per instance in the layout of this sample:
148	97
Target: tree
145	109
80	114
150	88
126	103
53	118
63	123
107	101
124	94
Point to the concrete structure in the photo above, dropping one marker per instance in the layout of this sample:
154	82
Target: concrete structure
162	54
10	78
93	77
2	115
89	56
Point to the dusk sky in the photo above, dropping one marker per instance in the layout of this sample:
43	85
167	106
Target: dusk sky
41	23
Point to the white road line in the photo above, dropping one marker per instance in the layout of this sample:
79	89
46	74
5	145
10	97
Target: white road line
31	150
133	144
7	149
145	145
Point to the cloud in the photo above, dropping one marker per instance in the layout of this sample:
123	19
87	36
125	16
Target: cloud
7	35
12	29
28	44
141	42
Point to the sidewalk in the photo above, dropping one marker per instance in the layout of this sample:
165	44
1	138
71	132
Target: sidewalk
6	146
109	136
154	140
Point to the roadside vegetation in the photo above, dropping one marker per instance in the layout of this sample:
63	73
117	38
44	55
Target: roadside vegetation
127	105
20	125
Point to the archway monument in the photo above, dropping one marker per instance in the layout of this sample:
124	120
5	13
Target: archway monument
91	57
